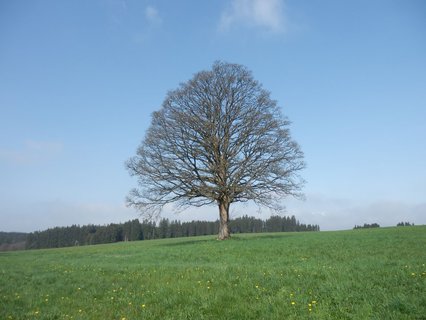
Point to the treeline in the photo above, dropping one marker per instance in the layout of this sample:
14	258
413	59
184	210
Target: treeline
85	235
12	241
135	230
367	226
248	224
404	224
376	225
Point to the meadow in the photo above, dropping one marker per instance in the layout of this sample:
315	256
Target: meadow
356	274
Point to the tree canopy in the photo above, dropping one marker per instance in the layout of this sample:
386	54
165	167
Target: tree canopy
217	139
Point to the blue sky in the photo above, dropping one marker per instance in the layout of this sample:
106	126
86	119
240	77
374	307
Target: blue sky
80	79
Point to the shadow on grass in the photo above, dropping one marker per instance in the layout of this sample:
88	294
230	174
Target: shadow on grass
253	236
185	241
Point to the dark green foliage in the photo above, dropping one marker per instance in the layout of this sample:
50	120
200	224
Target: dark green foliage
367	226
404	224
135	230
12	241
85	235
12	237
248	224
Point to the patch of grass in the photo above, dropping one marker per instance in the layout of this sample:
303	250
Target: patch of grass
357	274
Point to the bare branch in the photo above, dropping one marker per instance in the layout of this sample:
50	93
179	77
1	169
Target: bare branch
218	138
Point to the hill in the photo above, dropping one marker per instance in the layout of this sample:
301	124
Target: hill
356	274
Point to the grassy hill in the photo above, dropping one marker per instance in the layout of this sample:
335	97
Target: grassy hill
357	274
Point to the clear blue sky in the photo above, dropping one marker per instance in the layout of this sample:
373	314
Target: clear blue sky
79	80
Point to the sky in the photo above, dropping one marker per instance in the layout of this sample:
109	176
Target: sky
79	80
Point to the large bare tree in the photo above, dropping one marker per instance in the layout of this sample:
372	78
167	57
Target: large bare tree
217	139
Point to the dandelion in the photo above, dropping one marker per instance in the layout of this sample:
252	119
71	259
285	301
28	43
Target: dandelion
293	303
143	306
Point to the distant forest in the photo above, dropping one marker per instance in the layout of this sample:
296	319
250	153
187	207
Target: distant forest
376	225
134	230
367	226
12	241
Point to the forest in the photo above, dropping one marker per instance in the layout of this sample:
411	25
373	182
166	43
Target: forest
135	230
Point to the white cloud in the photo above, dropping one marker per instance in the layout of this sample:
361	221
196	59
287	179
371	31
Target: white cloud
153	22
153	17
266	14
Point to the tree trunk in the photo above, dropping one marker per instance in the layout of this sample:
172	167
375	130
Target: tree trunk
224	219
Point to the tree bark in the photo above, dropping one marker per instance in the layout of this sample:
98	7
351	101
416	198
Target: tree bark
224	219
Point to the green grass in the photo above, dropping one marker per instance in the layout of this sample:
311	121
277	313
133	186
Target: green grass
360	274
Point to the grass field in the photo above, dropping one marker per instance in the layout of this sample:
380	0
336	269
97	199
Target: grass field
359	274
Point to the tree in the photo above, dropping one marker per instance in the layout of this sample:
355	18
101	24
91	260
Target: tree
217	139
